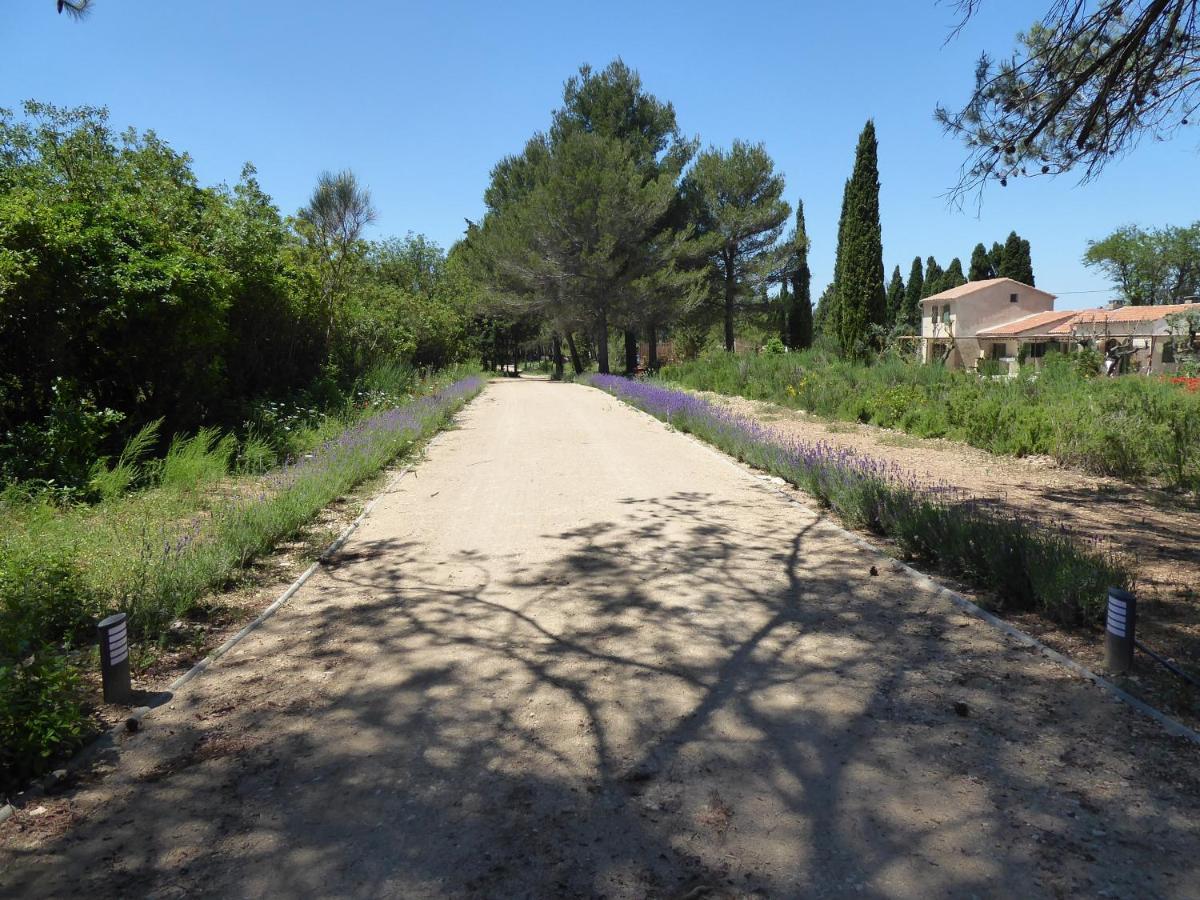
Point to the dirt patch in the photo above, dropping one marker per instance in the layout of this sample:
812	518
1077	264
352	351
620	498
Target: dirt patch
1157	528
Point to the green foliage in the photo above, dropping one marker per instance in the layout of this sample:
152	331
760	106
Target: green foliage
981	265
914	291
1132	427
1159	265
799	311
895	298
1016	263
736	201
858	277
41	715
131	294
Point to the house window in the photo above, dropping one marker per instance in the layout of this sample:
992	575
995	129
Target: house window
999	351
1168	352
1037	349
1012	298
934	317
946	313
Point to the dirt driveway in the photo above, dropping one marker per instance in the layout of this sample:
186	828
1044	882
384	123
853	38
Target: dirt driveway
580	655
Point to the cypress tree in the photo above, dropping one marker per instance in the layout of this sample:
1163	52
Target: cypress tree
822	321
981	266
800	312
1017	263
954	275
895	296
1026	263
933	278
996	258
913	292
861	300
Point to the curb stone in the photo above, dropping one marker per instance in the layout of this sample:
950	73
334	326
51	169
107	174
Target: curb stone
772	484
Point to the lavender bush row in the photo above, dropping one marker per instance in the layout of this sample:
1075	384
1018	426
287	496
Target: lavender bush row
180	569
1028	564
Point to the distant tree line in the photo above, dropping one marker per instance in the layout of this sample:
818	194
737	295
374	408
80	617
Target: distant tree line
903	297
611	221
130	293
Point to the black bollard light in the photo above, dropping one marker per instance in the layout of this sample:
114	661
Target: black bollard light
114	658
1119	631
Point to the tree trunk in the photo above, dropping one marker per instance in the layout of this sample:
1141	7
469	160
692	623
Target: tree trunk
652	341
730	294
556	352
602	342
631	354
575	362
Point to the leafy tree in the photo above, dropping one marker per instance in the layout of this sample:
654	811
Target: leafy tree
895	297
933	278
332	225
1016	262
953	276
799	310
736	199
914	291
1084	86
1160	265
861	302
981	265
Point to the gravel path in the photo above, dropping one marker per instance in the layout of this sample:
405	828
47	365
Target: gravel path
577	654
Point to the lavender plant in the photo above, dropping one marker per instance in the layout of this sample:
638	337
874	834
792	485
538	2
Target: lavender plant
1026	563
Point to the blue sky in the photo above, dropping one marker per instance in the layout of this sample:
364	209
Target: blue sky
421	99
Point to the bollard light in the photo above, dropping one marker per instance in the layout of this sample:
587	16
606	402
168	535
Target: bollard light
1119	631
114	658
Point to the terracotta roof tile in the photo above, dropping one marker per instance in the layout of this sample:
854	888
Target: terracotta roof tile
1038	323
972	286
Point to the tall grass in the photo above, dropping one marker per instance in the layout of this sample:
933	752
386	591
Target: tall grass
1027	564
156	552
1131	427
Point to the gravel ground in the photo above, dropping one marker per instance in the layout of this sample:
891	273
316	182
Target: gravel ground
576	654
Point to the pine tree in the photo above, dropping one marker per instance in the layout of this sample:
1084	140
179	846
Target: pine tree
1017	263
895	295
800	312
913	292
861	300
981	265
954	275
737	204
933	278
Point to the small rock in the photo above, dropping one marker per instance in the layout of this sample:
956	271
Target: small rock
133	724
961	708
874	571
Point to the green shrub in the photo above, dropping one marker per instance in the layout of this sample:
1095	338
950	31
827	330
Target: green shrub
41	715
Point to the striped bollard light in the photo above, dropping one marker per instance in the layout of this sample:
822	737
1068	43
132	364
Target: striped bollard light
114	658
1119	631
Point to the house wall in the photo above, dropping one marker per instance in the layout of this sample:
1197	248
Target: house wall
983	309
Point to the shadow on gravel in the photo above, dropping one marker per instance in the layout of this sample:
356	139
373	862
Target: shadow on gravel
653	711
